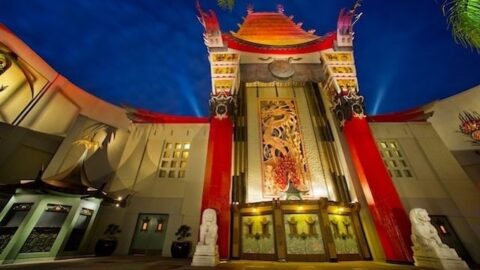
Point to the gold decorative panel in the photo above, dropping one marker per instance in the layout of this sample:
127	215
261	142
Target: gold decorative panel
258	234
343	57
343	234
303	234
285	172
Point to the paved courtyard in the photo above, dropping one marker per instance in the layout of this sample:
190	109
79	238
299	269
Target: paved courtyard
159	263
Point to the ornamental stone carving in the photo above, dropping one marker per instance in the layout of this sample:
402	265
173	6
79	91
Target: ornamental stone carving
222	105
206	252
428	249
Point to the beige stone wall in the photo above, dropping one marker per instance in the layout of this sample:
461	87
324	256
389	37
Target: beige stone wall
439	184
446	122
137	174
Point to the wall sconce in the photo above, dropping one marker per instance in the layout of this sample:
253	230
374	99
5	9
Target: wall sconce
159	225
145	223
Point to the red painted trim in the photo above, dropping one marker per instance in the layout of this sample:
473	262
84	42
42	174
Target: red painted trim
145	116
4	27
391	220
319	45
413	115
218	175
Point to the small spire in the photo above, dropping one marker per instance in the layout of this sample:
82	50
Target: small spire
280	9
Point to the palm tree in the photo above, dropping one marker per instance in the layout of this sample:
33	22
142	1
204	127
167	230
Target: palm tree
463	17
226	4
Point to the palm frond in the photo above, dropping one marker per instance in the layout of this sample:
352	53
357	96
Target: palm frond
463	17
226	4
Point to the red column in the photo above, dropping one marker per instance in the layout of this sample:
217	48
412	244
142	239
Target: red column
218	175
390	218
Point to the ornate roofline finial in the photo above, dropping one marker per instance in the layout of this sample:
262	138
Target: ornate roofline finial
280	9
249	8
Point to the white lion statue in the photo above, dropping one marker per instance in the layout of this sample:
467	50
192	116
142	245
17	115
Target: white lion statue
423	233
428	249
208	228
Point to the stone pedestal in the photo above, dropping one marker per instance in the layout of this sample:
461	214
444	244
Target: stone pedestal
205	255
438	258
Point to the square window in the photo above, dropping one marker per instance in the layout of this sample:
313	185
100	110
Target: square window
389	154
167	154
173	164
178	146
164	164
397	173
404	164
163	173
169	146
392	163
171	174
397	153
185	154
186	146
384	145
407	173
181	174
393	145
183	164
177	154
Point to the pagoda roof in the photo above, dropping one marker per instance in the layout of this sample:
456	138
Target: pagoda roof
272	29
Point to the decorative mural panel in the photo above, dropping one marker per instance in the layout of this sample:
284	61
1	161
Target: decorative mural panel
303	234
285	172
19	84
343	234
258	234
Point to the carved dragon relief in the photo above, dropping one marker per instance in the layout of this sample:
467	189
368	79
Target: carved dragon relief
284	162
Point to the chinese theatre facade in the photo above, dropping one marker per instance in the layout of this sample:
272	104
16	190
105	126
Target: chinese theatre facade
288	159
284	94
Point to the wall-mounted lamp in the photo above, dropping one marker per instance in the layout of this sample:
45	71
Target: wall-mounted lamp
145	223
159	225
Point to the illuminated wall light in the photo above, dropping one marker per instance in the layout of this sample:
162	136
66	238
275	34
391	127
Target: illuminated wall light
444	231
300	208
255	210
119	198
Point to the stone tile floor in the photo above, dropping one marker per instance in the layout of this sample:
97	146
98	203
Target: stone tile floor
159	263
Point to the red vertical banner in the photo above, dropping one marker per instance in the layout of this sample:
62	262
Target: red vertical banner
218	175
391	220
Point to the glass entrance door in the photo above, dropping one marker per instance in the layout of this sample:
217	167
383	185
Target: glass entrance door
149	234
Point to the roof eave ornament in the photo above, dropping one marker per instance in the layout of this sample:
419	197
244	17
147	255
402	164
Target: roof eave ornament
209	21
346	21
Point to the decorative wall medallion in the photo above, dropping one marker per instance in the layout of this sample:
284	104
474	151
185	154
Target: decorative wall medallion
222	105
284	163
282	69
470	125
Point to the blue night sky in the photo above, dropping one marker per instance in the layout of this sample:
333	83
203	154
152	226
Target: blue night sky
150	53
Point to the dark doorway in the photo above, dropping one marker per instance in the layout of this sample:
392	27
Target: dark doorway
450	237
